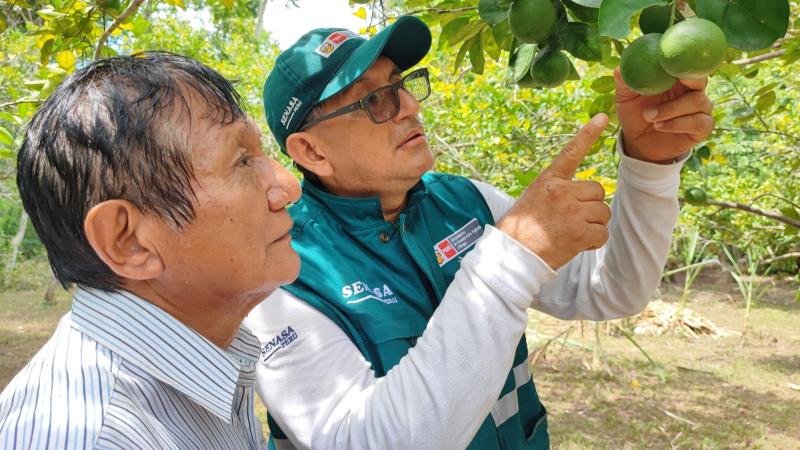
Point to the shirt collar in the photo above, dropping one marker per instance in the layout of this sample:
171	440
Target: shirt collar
356	212
168	350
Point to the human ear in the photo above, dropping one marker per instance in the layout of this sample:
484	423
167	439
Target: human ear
308	151
123	238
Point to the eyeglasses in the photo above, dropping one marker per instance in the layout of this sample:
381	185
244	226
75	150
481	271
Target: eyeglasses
383	104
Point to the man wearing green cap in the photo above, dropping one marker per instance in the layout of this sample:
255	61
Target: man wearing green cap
405	328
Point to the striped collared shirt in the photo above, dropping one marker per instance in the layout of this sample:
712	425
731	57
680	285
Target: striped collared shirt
121	373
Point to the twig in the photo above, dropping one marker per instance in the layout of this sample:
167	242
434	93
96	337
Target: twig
690	266
754	210
677	417
442	11
755	130
19	102
791	255
475	172
759	58
132	7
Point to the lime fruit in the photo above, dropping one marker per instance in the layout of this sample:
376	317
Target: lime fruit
695	196
655	19
532	20
694	48
640	68
550	69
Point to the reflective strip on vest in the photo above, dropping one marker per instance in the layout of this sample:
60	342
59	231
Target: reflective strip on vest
508	405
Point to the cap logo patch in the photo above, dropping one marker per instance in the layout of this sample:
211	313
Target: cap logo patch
333	41
288	112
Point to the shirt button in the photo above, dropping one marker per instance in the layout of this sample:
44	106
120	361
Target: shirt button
384	237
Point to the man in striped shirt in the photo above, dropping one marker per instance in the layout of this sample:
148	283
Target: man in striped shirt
146	182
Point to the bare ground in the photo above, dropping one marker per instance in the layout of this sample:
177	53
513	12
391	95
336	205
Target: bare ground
701	393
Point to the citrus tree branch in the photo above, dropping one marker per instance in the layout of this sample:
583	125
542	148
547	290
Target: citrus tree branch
753	210
759	58
132	7
792	255
442	11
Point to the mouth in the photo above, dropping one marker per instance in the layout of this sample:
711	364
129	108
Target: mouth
414	137
287	236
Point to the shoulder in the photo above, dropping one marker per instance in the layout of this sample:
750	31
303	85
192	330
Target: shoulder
61	395
282	320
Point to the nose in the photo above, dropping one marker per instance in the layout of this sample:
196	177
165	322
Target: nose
285	190
409	106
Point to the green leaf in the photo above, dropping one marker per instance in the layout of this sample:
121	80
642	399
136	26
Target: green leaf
476	54
703	152
490	46
615	15
462	52
6	138
525	177
589	3
502	35
762	91
450	28
493	11
573	72
583	42
603	85
582	13
766	101
748	24
602	104
522	61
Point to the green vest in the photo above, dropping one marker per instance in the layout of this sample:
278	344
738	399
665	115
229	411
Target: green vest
381	282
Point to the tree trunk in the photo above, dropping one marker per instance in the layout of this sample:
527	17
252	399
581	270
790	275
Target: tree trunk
260	19
15	243
50	295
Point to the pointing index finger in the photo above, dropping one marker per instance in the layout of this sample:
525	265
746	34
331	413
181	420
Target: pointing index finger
571	156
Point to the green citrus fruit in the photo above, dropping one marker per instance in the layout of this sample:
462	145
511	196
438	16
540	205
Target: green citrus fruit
655	19
694	48
532	20
551	69
695	196
640	68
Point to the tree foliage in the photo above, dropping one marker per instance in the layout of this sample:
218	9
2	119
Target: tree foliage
482	121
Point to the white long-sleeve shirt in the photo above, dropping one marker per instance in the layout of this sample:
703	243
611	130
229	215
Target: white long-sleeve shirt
323	393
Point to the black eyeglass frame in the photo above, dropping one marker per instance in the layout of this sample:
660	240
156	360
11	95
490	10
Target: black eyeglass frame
362	102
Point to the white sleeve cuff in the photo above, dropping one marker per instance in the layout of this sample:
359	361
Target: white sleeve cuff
647	176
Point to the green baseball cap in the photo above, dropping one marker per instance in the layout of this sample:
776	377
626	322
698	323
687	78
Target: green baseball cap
325	61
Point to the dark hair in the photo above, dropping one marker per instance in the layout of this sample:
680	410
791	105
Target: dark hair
115	129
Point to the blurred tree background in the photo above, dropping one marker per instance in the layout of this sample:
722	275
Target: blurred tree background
480	123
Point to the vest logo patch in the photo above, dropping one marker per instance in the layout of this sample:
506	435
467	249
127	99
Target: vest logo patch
360	291
280	341
332	42
458	242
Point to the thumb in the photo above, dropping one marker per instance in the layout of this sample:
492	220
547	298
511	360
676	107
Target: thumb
571	156
623	92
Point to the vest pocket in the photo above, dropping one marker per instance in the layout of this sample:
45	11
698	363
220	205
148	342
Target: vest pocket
536	432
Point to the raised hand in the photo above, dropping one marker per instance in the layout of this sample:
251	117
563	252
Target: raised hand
664	127
556	217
